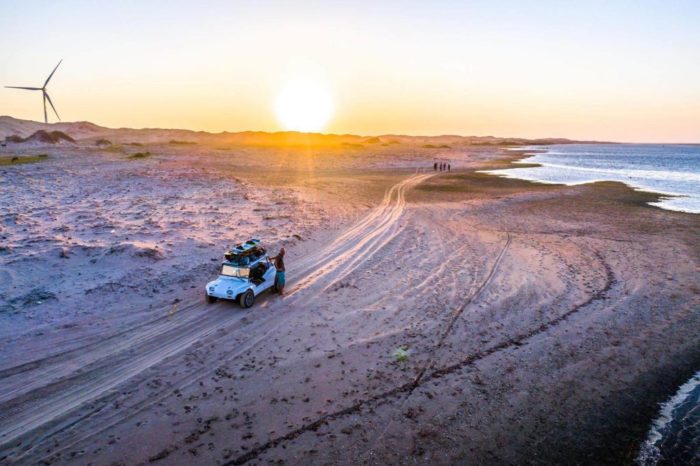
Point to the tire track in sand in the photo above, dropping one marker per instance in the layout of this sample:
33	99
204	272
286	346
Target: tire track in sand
407	388
456	313
111	367
353	248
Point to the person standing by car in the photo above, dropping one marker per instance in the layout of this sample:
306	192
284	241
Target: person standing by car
278	260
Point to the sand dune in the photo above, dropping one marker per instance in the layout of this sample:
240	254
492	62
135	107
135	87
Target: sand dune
91	133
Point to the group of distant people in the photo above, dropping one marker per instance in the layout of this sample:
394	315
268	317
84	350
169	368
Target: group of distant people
442	166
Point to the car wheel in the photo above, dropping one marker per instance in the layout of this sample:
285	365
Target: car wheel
247	299
210	299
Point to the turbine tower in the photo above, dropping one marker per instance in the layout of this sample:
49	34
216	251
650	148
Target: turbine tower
44	93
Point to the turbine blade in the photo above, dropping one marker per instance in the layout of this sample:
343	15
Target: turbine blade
51	103
54	70
46	118
27	88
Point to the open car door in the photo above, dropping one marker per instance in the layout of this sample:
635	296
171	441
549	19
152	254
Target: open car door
268	278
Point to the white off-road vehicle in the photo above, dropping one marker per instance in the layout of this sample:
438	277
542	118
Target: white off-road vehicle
246	272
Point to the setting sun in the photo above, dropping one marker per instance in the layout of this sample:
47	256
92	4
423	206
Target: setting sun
304	106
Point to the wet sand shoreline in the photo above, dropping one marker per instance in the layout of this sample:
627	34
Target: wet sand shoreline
613	435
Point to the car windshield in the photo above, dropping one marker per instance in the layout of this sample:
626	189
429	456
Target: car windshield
231	271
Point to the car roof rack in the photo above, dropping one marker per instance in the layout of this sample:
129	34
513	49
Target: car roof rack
243	249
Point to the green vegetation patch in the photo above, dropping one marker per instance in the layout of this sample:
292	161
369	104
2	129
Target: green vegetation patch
140	155
115	148
182	143
472	181
401	354
20	159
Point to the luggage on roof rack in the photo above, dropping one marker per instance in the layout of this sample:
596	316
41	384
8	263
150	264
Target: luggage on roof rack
244	249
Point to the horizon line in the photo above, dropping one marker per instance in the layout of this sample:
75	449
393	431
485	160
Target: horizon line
582	141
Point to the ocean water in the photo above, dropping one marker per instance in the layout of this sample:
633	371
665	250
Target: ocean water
674	171
674	437
669	169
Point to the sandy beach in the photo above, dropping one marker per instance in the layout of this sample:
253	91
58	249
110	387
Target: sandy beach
542	323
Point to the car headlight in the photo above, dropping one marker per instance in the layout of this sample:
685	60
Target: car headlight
229	292
211	288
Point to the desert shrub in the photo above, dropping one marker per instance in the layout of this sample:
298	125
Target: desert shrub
433	146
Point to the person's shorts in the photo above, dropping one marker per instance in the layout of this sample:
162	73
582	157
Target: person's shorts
280	279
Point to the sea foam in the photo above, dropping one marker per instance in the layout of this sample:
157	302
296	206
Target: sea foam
651	452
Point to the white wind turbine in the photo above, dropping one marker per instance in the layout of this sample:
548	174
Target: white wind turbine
44	93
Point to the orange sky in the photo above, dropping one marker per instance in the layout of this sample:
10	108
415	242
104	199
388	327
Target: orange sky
596	71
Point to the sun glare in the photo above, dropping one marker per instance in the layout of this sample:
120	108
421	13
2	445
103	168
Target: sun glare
304	106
